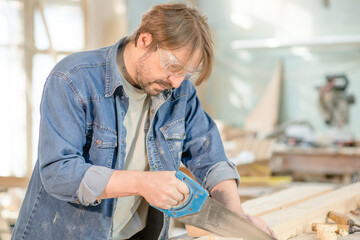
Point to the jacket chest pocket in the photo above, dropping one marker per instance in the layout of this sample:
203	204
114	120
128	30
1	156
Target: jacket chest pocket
102	149
174	134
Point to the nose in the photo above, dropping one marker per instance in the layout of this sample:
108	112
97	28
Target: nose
175	81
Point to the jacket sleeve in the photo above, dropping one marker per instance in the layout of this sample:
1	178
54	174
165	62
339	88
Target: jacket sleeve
61	141
203	151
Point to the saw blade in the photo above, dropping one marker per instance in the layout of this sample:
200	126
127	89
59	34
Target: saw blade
216	218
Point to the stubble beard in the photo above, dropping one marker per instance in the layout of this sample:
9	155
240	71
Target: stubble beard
143	80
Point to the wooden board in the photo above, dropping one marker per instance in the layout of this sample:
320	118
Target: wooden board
297	219
313	236
13	182
285	198
291	212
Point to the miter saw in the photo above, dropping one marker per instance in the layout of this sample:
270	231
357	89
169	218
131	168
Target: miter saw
334	103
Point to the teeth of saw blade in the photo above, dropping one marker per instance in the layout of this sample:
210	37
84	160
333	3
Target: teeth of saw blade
217	219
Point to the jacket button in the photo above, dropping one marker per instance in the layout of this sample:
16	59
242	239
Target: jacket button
150	138
155	166
98	142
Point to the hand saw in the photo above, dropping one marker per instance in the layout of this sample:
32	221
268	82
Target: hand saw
201	211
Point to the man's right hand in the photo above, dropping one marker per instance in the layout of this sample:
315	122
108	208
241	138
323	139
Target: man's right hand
162	189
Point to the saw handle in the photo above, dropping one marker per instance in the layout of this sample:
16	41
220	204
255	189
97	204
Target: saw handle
193	204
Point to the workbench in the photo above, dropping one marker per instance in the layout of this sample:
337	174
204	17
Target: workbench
344	161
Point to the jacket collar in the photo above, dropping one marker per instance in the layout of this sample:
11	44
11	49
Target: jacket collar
113	77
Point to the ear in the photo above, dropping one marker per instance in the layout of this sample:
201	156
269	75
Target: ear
144	40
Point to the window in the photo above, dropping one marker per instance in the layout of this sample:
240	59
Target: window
34	36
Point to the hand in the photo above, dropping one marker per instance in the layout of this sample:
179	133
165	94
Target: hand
162	189
258	222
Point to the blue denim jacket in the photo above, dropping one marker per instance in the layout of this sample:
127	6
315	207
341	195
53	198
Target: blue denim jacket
82	141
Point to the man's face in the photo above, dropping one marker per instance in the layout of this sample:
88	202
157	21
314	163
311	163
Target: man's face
157	70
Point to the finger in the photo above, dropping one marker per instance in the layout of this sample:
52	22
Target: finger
183	188
171	203
165	206
178	196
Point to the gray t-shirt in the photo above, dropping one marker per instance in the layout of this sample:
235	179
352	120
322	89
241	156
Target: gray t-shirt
131	212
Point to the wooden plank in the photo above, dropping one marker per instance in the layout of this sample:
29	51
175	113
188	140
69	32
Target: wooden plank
313	236
285	198
13	182
297	219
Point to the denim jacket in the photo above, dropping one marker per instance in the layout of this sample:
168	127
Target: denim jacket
82	141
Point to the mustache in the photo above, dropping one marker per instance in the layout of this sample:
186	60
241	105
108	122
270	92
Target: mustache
166	84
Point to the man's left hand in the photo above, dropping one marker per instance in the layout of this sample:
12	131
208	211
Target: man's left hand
258	222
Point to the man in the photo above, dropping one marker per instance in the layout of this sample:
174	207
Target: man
115	125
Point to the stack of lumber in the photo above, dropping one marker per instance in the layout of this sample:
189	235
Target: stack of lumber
291	212
296	219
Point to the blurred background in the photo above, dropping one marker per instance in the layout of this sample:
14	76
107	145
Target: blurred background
286	80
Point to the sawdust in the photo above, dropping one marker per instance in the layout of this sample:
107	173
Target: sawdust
326	232
343	232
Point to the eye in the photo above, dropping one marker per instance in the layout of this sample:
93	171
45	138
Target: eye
175	68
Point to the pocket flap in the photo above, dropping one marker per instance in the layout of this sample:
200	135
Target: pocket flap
174	130
104	139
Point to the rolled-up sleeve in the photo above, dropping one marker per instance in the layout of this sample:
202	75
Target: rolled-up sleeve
93	184
220	172
203	151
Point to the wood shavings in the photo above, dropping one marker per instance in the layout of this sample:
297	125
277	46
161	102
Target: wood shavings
326	232
343	232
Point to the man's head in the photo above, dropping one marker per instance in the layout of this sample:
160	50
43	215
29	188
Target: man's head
180	38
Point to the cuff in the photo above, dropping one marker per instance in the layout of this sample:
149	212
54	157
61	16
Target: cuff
93	184
220	172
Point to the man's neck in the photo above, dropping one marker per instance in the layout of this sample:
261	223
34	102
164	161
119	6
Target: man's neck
124	65
129	63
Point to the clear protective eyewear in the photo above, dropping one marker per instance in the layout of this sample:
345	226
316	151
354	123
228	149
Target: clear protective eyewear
173	67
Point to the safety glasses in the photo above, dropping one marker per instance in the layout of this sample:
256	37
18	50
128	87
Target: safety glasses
173	67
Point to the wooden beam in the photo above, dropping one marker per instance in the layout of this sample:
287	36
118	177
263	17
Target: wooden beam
291	212
40	7
285	198
297	219
29	46
14	182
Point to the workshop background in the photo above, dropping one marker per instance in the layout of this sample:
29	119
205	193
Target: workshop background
285	86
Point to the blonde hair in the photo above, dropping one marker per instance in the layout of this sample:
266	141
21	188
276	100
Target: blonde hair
174	26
